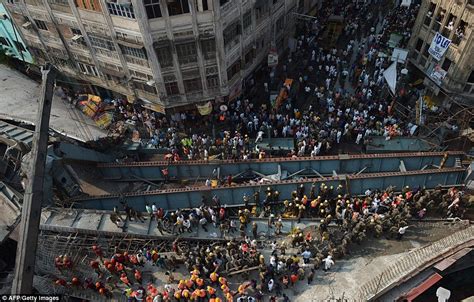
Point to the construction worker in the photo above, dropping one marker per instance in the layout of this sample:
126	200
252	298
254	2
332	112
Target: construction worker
159	225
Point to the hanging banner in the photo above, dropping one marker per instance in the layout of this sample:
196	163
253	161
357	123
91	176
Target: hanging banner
438	46
205	109
272	58
438	74
390	76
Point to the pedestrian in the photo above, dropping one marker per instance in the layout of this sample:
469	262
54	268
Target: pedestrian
328	263
311	276
203	223
159	225
270	285
149	210
278	226
401	232
306	256
254	230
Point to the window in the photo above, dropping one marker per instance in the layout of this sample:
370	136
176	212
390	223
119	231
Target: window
425	51
248	58
5	42
201	5
121	10
471	77
247	19
140	75
439	19
450	22
60	2
101	43
233	70
134	52
186	53
145	87
231	32
419	44
459	32
212	81
88	69
192	85
172	88
19	46
41	24
280	24
222	2
178	7
75	31
260	12
446	64
89	5
208	48
36	52
164	56
153	9
429	14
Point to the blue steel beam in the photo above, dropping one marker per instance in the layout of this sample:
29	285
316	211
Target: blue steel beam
325	165
191	196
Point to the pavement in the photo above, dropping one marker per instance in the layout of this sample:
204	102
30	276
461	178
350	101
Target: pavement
367	261
19	102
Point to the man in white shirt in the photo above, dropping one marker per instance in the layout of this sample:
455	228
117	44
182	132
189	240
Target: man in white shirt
401	232
328	262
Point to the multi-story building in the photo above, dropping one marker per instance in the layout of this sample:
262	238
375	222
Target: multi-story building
10	39
170	52
452	77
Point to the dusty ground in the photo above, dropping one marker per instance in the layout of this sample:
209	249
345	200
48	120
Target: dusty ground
368	260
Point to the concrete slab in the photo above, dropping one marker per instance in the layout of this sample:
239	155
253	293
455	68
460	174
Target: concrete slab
109	226
138	227
64	219
19	102
90	221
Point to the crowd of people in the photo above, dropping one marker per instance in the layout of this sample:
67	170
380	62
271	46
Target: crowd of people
211	269
338	94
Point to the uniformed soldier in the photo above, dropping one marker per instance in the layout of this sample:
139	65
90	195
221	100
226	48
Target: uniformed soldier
278	226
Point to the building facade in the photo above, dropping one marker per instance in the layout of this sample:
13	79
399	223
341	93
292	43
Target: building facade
169	52
10	38
453	75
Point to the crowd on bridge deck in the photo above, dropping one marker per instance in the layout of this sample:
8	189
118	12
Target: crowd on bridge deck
345	220
343	88
339	94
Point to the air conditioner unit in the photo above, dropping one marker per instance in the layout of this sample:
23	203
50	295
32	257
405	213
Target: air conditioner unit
76	37
26	25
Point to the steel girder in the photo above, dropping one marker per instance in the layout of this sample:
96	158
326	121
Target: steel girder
355	184
324	165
